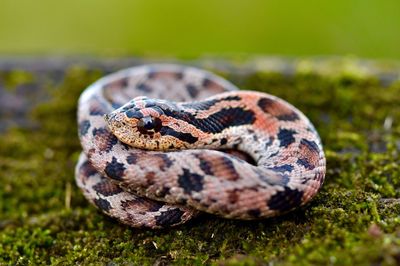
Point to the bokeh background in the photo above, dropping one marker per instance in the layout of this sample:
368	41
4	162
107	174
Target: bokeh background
50	50
186	29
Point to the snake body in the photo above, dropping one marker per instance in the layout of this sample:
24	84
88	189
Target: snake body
178	140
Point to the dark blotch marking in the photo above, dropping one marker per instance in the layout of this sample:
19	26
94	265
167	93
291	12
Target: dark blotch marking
150	178
169	217
143	87
155	206
141	204
187	137
190	181
288	117
158	109
265	103
107	188
207	82
103	204
285	200
233	196
230	168
226	118
149	103
310	151
162	193
285	137
126	146
269	142
283	168
285	180
111	140
304	162
277	109
254	213
310	144
224	141
181	201
116	105
96	111
114	169
132	158
152	74
99	131
124	82
206	166
87	169
84	127
193	91
219	166
217	122
134	114
166	160
179	75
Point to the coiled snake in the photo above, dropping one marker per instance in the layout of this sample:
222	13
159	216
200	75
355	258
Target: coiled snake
205	147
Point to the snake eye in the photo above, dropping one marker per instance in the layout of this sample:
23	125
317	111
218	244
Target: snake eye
149	124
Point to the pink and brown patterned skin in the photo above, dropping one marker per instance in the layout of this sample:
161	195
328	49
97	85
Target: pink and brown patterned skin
163	142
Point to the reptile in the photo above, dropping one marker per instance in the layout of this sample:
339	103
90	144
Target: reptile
163	143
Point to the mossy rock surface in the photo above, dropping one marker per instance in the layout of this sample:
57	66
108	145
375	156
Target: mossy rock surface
354	220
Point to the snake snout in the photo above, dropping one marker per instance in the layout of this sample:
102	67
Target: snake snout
109	117
111	121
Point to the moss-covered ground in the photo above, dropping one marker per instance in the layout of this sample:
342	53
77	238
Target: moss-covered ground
354	220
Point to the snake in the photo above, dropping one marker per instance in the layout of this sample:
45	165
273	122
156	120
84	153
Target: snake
163	143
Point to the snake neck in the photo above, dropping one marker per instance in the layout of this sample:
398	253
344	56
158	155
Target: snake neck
203	126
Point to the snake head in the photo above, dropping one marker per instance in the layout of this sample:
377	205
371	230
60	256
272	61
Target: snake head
146	124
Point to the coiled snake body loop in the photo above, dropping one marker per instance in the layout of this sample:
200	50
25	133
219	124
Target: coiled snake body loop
189	162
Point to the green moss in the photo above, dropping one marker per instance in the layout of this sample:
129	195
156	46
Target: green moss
15	78
44	219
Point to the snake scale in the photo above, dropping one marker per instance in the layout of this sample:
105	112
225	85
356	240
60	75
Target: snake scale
163	142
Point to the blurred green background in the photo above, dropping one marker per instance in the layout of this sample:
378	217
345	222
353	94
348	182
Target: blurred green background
365	28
